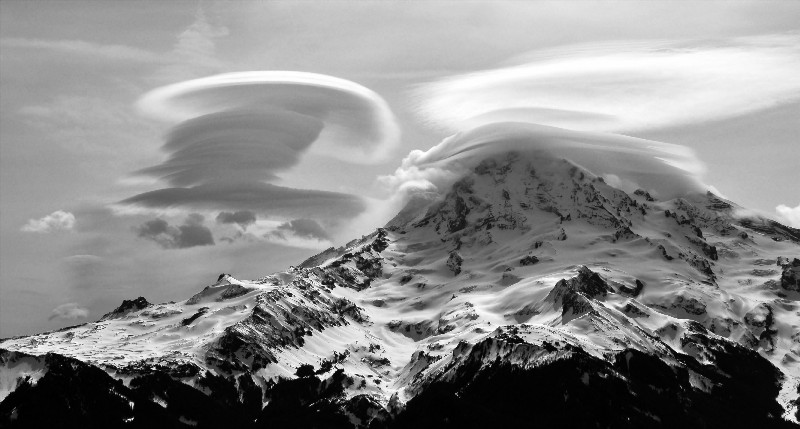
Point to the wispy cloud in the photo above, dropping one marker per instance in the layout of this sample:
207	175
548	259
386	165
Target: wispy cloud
195	52
69	311
59	220
90	124
620	87
87	50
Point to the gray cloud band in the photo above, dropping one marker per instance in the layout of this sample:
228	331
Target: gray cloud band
260	197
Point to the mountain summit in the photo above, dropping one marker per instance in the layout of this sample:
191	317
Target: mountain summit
533	294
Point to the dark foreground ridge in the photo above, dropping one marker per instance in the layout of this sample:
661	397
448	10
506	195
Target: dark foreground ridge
574	389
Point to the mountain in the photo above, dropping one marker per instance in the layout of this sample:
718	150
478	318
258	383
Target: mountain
533	294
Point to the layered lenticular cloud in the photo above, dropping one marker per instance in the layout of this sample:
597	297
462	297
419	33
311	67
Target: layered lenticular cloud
237	132
358	124
620	87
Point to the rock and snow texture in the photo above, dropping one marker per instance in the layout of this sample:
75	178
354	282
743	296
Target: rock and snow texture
664	312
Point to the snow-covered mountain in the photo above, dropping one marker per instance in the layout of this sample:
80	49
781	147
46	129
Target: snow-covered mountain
534	294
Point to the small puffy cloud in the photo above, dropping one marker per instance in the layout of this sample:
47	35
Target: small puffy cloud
243	218
305	228
789	214
69	311
192	233
59	220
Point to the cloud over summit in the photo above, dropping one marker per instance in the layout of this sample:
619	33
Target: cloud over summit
666	170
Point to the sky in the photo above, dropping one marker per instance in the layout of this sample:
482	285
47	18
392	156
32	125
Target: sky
147	147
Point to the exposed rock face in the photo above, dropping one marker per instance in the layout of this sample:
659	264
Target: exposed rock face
126	307
532	293
790	277
454	262
574	295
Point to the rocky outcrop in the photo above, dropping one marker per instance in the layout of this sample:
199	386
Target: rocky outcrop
761	320
454	262
574	295
790	275
127	306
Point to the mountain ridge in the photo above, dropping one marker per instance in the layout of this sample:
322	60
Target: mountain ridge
434	303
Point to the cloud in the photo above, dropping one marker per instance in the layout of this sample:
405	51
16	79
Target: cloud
789	214
666	170
358	124
243	218
92	125
59	220
237	132
242	145
69	311
266	198
192	233
87	50
624	86
194	52
305	228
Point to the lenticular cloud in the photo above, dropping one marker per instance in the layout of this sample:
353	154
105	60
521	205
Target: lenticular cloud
620	87
358	124
665	170
236	132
